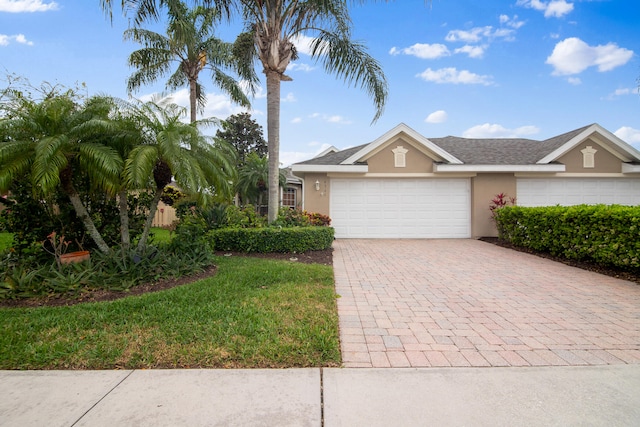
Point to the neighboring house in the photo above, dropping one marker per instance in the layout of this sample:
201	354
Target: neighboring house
403	185
291	194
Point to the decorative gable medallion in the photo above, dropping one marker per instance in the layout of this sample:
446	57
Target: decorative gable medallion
400	156
589	157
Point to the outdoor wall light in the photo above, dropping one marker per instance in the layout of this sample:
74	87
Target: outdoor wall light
317	185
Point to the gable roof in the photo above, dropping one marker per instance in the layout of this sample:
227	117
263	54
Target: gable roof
453	153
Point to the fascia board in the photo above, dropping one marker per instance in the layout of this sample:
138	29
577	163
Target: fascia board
499	168
625	148
629	168
330	168
394	132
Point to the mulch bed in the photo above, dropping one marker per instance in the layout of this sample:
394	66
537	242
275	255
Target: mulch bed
319	257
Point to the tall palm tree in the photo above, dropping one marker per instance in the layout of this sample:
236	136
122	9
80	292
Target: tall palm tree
53	141
174	149
188	48
273	26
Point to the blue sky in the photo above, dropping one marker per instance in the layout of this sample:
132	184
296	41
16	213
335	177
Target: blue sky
505	68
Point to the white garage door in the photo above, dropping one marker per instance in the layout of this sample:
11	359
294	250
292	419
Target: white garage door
576	191
401	208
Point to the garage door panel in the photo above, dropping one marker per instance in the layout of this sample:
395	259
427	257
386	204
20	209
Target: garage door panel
401	208
576	191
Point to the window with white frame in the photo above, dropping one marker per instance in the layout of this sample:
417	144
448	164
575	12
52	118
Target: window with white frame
289	197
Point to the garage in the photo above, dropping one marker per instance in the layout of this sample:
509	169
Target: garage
576	191
401	208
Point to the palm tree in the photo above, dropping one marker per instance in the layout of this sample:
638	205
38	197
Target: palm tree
273	26
174	149
253	177
54	140
190	44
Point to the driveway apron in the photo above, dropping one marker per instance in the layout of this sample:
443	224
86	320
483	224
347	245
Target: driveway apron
422	303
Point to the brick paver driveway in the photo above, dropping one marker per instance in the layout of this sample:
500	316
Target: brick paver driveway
469	303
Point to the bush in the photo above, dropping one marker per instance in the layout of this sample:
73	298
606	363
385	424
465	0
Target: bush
272	239
606	234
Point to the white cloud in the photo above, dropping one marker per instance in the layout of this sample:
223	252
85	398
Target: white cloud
439	116
573	56
288	158
300	67
452	75
554	8
423	51
623	92
330	119
488	130
288	98
477	34
218	105
5	40
303	43
18	6
296	120
511	22
629	135
575	81
472	51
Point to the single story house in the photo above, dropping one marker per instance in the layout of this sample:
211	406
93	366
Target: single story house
403	185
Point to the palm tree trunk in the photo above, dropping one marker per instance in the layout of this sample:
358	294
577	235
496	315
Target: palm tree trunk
193	97
273	142
124	220
142	244
82	213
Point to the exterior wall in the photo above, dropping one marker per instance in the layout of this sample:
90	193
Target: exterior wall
316	200
384	162
605	162
484	188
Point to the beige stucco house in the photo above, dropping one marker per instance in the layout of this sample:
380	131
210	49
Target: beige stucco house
404	185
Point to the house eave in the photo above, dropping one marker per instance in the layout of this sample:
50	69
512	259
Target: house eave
499	168
630	168
330	168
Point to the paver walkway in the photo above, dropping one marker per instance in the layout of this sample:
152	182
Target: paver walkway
421	303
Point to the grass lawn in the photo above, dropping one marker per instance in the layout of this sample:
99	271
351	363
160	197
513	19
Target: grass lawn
254	313
6	239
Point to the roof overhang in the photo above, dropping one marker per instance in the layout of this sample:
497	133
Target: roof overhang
401	128
330	168
630	168
499	168
611	142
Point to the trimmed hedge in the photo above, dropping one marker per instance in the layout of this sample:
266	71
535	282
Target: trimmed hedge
271	239
606	234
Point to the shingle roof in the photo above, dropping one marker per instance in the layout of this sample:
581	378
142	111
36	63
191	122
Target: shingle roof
477	151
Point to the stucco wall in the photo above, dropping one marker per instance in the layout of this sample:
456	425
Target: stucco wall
383	161
605	162
484	188
316	200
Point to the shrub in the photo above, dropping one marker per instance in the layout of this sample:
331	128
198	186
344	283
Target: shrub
605	234
245	217
272	239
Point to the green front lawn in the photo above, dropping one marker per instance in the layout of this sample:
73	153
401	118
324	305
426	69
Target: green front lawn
253	313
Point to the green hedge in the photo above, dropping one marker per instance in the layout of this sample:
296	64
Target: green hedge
606	234
271	239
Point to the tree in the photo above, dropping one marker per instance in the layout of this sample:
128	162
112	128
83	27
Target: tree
55	140
273	25
172	148
244	134
253	177
191	45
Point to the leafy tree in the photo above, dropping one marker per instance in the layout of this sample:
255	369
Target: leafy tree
54	141
172	148
191	46
244	134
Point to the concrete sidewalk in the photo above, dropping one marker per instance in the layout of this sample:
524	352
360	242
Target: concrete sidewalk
541	396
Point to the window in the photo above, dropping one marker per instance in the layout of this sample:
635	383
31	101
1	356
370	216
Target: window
289	197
